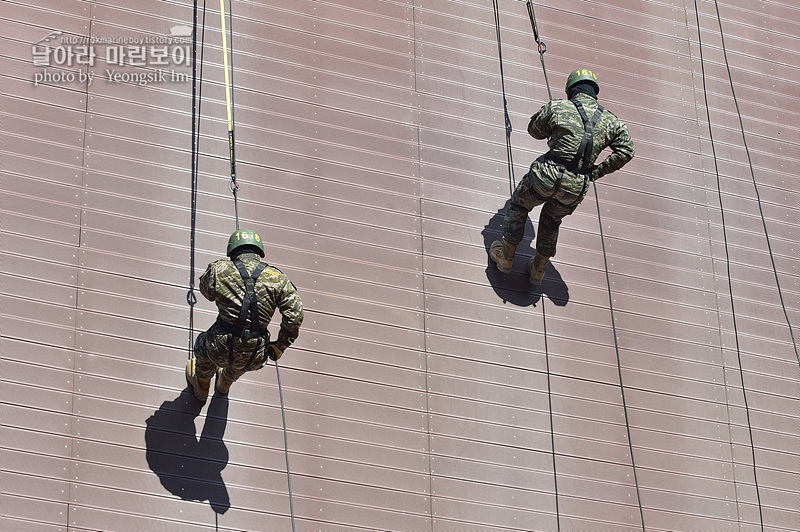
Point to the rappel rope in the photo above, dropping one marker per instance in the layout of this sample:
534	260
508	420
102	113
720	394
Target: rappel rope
512	183
197	92
197	82
232	185
727	256
285	444
542	48
619	362
509	156
552	423
234	188
755	184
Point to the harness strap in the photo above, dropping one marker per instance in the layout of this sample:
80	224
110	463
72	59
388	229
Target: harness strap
583	156
252	355
249	308
557	186
556	189
250	301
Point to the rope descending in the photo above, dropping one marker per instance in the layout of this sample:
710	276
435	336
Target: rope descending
755	184
197	81
509	155
540	46
197	90
232	185
285	444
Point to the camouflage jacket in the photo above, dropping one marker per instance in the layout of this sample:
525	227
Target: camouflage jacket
560	123
223	284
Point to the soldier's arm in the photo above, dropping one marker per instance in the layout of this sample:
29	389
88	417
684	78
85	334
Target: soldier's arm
540	125
208	283
622	151
291	309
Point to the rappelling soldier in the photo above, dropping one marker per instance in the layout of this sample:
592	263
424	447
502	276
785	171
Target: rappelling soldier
247	292
577	129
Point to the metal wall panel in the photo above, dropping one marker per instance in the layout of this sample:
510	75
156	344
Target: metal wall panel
42	156
650	383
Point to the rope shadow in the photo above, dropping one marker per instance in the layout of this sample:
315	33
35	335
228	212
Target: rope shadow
514	287
187	467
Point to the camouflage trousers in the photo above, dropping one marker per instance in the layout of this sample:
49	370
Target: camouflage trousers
211	351
531	192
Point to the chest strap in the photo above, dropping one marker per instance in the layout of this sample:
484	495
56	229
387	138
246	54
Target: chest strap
249	303
582	160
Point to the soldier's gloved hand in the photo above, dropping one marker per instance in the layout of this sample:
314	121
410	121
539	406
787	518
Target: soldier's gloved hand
273	352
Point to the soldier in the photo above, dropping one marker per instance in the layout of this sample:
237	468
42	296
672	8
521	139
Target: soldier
577	129
247	293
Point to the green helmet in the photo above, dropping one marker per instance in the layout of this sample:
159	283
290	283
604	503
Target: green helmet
245	237
582	74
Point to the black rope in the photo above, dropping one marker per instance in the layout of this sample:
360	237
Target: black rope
285	444
197	91
552	427
512	185
755	184
727	254
542	49
540	46
509	156
619	361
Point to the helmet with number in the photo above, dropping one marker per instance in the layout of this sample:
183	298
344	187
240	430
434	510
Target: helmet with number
582	74
245	240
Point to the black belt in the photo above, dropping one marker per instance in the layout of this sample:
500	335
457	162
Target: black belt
243	334
569	165
246	334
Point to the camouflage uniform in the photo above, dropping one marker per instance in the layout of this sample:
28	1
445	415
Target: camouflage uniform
560	123
223	284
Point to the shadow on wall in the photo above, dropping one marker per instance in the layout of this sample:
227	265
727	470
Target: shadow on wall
186	467
514	287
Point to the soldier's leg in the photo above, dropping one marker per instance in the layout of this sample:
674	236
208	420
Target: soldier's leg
521	203
197	375
550	219
225	378
523	200
242	355
210	351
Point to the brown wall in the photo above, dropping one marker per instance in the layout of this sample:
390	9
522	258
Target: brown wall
426	391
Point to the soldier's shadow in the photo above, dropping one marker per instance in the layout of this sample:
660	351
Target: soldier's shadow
187	467
514	287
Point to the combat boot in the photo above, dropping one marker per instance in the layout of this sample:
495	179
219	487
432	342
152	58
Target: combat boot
502	253
221	387
200	387
536	268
